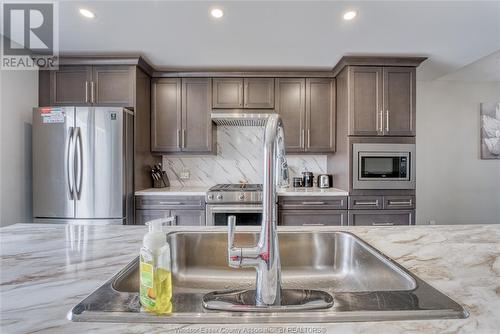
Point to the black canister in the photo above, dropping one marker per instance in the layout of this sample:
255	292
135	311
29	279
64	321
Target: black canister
297	182
307	178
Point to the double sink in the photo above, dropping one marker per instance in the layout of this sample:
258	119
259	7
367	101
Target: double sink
365	284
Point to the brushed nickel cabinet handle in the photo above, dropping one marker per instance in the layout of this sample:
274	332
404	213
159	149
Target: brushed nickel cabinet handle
170	203
387	120
311	224
313	203
308	137
92	87
381	115
183	138
302	138
86	92
365	203
382	224
178	138
400	202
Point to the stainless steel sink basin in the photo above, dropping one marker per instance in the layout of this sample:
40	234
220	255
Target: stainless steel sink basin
365	284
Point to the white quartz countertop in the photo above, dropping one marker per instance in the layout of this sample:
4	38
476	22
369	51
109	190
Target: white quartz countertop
47	269
173	191
201	191
311	192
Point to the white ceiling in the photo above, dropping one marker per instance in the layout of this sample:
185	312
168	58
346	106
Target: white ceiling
283	34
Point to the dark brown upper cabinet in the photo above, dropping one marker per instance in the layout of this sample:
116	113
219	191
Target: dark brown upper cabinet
258	93
180	115
196	122
307	107
381	101
399	101
227	93
166	125
87	85
290	104
320	115
365	100
113	85
237	93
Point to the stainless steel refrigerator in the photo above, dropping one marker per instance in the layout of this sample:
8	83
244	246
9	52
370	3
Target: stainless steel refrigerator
83	160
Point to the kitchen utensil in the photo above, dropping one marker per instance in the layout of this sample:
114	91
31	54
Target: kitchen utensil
297	182
308	178
325	180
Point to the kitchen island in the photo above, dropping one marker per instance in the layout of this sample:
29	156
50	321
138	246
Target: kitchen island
48	269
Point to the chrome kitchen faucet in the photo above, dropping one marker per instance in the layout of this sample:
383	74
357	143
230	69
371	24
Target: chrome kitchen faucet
265	256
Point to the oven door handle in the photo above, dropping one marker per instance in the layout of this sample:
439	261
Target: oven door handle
235	209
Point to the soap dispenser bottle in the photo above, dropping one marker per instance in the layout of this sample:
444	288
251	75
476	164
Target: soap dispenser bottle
155	269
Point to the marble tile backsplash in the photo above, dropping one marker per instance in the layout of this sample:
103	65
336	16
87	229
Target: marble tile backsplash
239	159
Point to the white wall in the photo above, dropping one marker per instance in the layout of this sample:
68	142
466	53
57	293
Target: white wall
453	185
19	93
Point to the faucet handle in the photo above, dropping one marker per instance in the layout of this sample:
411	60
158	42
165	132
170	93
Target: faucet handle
233	253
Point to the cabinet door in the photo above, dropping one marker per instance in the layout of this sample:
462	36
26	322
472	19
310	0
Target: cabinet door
70	86
381	217
113	85
166	115
144	216
258	93
189	217
196	121
399	101
312	218
320	115
227	93
290	104
365	100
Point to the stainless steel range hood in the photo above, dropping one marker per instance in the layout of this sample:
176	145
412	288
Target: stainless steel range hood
247	117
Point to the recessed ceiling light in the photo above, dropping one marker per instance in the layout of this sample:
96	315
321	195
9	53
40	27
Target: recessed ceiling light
349	15
217	13
87	13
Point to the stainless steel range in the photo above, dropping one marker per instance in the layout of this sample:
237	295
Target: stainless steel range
241	200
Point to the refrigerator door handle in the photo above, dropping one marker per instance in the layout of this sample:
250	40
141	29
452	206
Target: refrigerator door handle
70	163
79	165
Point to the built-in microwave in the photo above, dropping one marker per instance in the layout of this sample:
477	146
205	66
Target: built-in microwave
383	166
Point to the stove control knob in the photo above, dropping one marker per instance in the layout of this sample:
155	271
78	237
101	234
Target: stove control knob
219	197
211	197
241	197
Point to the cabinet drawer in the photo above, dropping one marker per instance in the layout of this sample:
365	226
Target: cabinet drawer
312	217
312	202
399	202
365	202
170	202
381	217
144	216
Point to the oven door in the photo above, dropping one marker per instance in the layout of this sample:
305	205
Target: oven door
246	214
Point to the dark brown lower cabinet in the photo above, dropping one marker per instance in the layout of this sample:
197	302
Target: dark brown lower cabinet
381	217
313	217
182	217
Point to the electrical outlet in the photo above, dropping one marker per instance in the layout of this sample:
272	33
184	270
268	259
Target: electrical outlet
185	175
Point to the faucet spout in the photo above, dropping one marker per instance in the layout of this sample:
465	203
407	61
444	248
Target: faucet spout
265	257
